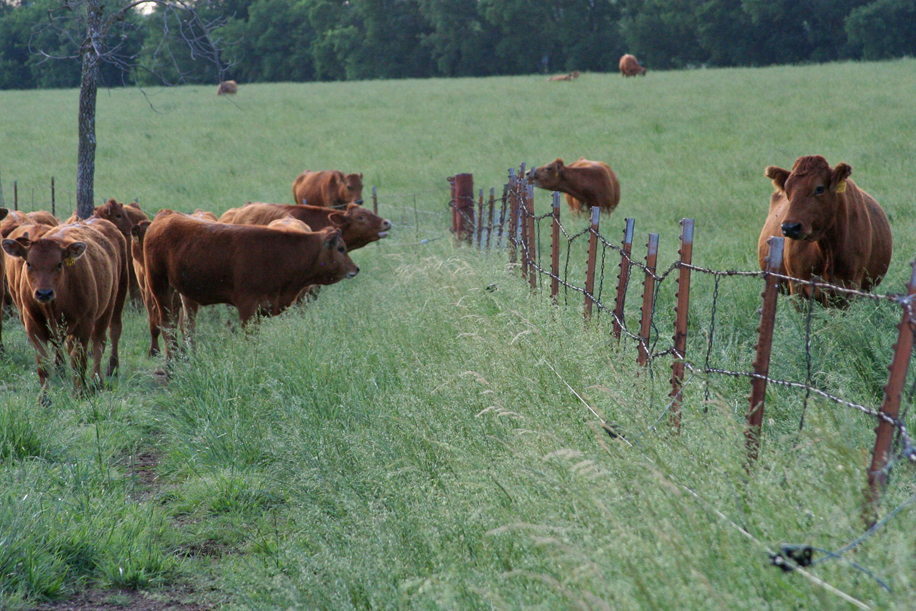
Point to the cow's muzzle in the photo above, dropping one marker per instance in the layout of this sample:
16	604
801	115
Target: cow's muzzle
44	295
353	273
792	230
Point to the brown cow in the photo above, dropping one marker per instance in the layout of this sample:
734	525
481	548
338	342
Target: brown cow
358	226
629	66
227	88
585	183
565	77
205	215
328	188
242	266
836	231
289	223
71	285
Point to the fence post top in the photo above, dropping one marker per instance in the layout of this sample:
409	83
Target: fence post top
596	214
556	200
628	231
774	256
687	233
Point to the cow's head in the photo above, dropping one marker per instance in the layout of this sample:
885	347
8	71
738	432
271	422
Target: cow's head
549	176
114	212
334	261
45	263
137	233
814	191
360	226
355	188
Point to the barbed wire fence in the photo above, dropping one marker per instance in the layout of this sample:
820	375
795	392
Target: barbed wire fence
511	223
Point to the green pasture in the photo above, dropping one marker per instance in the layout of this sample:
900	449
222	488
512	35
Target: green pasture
429	434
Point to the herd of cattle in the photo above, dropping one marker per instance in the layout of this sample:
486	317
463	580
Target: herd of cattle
69	282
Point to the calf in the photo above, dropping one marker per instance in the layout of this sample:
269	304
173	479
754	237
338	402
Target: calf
835	231
585	183
212	263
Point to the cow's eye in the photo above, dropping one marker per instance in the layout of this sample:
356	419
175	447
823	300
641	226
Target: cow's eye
819	189
60	266
28	265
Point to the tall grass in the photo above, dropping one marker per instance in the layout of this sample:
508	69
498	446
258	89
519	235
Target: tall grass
429	434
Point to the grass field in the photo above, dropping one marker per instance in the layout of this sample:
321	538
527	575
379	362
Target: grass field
417	438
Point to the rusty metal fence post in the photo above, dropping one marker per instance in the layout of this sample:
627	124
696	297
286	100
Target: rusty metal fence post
592	262
623	278
648	299
490	216
452	205
764	347
53	203
500	236
480	217
15	195
680	321
555	250
464	205
513	216
374	200
890	408
532	236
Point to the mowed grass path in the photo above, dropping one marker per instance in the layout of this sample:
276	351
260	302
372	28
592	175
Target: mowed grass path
417	437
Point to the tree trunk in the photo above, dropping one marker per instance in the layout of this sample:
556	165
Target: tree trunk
89	84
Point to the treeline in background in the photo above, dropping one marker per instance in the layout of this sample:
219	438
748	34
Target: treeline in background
312	40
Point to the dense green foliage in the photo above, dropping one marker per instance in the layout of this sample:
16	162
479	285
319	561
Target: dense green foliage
308	40
418	437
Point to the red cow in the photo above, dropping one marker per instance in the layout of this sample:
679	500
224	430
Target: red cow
629	66
585	183
358	226
328	188
71	285
836	231
227	88
213	263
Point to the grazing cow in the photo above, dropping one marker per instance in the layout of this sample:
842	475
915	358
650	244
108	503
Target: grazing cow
565	77
71	287
212	263
328	188
227	88
585	183
836	231
358	226
629	66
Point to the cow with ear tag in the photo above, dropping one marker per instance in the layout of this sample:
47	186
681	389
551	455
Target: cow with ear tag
71	283
834	231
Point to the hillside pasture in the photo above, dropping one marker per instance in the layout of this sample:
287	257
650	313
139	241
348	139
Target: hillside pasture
429	434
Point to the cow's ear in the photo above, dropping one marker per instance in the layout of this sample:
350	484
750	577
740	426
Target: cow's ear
330	241
139	230
778	176
73	252
14	248
339	219
838	178
4	212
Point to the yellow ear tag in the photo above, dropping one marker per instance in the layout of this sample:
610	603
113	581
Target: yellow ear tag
69	261
841	188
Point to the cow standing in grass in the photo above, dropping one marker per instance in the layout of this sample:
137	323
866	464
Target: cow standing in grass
585	183
835	231
328	188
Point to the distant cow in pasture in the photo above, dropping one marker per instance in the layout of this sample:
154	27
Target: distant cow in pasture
585	183
358	226
629	66
227	88
328	188
243	266
565	77
836	232
71	285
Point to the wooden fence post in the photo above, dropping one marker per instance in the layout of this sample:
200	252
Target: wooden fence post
903	350
555	250
648	298
764	347
532	237
592	262
680	322
464	205
623	278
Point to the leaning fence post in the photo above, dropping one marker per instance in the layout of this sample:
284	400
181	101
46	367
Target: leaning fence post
764	346
680	321
464	204
555	250
532	237
890	409
592	262
623	278
648	299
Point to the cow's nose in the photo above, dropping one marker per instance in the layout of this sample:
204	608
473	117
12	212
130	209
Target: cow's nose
44	295
386	224
791	230
353	274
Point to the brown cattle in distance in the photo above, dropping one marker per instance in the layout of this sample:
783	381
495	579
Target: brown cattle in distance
629	66
243	266
835	231
328	188
565	77
227	88
358	226
71	286
585	183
